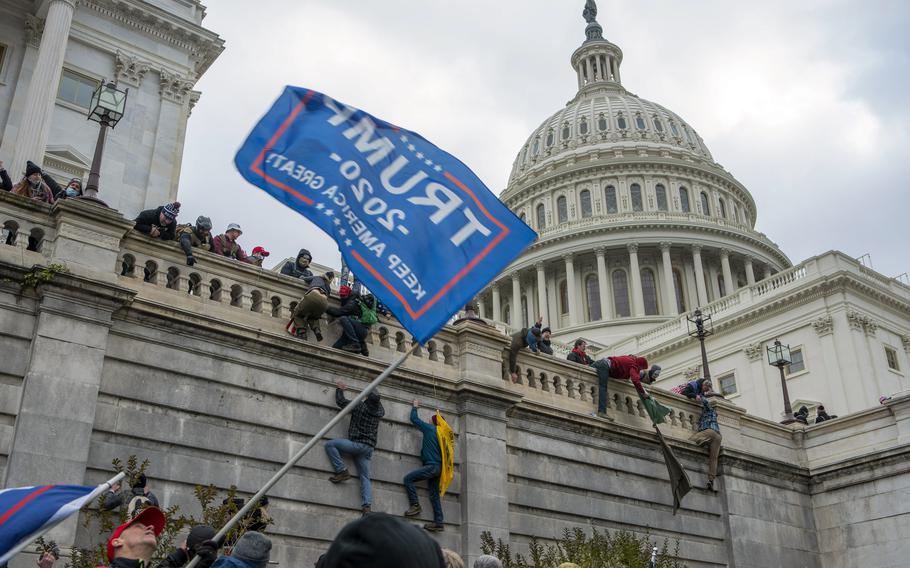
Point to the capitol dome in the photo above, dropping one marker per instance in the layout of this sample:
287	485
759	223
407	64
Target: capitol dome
636	222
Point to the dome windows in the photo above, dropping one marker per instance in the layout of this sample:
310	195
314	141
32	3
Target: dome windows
661	193
549	140
562	209
722	208
602	123
583	126
621	294
639	122
649	291
705	205
592	293
610	195
536	149
566	131
684	200
585	199
658	125
635	192
541	217
673	129
621	122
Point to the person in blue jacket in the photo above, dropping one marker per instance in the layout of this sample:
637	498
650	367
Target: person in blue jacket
431	456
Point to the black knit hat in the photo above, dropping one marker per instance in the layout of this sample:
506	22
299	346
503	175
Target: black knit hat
31	168
382	541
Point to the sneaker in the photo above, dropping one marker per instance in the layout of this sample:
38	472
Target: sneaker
365	510
301	333
318	334
604	416
351	348
434	527
413	511
340	476
364	351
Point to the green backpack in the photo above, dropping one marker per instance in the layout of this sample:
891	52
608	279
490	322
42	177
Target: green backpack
368	315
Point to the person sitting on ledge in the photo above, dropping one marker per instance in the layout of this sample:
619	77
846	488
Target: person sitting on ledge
72	189
226	244
159	223
521	339
802	415
258	255
821	414
36	185
579	353
198	236
310	308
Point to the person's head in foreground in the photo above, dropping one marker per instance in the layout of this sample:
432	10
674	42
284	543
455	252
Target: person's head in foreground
382	541
137	538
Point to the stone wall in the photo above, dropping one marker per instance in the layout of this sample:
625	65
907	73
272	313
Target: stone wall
202	380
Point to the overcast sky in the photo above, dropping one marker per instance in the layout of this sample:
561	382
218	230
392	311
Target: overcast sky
804	102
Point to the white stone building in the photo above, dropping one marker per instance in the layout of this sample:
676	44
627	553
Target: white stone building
638	226
54	53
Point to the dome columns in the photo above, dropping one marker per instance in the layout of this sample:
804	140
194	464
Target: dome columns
638	302
606	309
750	272
573	290
542	292
497	303
670	306
729	284
515	311
702	291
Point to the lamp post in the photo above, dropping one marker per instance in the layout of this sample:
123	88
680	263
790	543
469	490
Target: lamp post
699	325
108	104
779	356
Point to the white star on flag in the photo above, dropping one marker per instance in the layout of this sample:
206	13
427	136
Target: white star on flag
337	221
419	155
438	168
411	147
348	242
341	232
429	163
329	212
320	206
404	138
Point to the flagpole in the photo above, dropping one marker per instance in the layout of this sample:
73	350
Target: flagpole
254	500
89	498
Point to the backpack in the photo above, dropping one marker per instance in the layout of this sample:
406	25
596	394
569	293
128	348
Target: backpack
368	314
136	504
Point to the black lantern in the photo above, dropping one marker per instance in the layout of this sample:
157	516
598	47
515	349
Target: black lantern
108	106
779	356
699	325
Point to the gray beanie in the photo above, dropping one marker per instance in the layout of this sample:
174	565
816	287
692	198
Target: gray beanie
655	371
253	547
487	561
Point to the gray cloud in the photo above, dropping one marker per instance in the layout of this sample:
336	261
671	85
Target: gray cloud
804	102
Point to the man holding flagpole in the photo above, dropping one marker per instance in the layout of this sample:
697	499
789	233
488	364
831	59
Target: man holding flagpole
431	456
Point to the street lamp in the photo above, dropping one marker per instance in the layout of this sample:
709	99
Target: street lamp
699	325
779	356
108	104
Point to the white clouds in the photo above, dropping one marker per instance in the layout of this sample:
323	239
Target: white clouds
774	90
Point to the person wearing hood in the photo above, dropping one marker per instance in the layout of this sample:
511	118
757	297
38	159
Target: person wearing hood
36	185
6	184
299	267
359	444
624	367
159	223
310	308
382	541
802	415
579	354
821	414
138	495
350	317
251	551
198	543
226	244
72	189
132	544
431	456
195	236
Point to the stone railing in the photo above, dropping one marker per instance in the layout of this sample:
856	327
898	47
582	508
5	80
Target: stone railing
26	228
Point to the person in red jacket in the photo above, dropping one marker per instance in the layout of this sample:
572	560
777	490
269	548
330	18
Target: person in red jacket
624	367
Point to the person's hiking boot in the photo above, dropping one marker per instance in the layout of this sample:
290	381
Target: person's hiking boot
318	334
365	510
434	527
351	348
413	510
364	351
340	476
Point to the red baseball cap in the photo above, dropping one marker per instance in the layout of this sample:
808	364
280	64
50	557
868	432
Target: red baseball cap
344	290
150	516
260	250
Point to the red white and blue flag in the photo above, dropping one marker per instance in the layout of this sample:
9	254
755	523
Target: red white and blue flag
26	512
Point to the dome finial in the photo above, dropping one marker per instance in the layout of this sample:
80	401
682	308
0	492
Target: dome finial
593	31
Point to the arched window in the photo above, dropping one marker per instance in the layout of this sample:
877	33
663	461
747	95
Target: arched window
735	213
705	207
722	208
673	129
661	193
585	198
602	124
583	126
621	122
639	122
562	209
649	291
563	297
621	294
684	200
635	190
549	138
524	310
720	285
541	217
565	131
680	296
536	149
612	206
658	125
592	291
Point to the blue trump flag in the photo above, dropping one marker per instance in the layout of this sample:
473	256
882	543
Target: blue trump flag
415	224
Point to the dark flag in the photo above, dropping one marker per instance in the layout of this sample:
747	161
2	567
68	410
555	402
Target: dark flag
679	481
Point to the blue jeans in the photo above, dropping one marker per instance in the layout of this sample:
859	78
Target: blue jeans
352	332
430	472
602	366
362	454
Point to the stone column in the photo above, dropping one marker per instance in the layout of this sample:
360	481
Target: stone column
571	290
497	303
638	301
767	271
516	301
750	272
606	311
699	275
482	307
669	287
589	71
42	90
729	284
542	293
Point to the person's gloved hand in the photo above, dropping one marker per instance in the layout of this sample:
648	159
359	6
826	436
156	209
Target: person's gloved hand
207	551
178	557
190	260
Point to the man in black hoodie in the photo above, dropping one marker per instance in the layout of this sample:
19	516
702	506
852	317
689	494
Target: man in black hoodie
300	268
349	316
159	223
